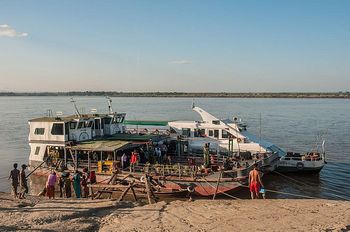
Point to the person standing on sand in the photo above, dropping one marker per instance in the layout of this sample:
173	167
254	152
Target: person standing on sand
23	182
61	185
50	185
14	176
67	186
76	184
84	185
255	182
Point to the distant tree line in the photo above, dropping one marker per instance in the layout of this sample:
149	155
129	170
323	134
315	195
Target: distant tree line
187	94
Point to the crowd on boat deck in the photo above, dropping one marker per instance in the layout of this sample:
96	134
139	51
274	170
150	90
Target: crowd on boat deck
152	155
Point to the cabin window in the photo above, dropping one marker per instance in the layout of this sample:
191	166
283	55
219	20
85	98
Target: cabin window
97	124
72	125
199	132
211	132
37	150
90	124
57	129
106	120
120	119
216	122
81	125
225	134
216	133
186	132
39	131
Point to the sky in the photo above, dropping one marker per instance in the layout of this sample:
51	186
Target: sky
182	45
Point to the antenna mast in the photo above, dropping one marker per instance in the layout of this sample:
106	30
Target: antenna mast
75	106
260	132
109	105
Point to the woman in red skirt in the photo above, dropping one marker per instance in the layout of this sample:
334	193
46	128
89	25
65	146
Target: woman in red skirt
50	185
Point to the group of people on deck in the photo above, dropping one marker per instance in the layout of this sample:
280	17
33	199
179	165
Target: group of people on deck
154	155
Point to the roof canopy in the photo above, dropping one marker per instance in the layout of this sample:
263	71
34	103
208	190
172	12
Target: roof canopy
146	123
136	137
102	145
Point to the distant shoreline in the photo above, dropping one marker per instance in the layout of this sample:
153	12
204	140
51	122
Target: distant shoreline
336	95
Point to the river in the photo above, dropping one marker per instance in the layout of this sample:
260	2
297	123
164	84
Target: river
292	124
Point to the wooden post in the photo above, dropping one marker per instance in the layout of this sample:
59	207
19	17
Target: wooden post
133	191
148	190
65	157
154	196
217	185
89	162
71	154
76	160
125	192
111	180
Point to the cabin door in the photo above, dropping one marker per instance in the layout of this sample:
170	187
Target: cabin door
97	127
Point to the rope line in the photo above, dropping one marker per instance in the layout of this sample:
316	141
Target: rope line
308	185
219	191
292	194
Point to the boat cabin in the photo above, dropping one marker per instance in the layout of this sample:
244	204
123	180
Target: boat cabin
75	128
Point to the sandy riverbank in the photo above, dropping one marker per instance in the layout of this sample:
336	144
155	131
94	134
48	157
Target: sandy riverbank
202	215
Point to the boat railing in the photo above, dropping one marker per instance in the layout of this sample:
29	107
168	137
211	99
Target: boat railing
175	169
303	158
147	131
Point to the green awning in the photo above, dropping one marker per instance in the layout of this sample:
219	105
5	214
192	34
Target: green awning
136	137
146	123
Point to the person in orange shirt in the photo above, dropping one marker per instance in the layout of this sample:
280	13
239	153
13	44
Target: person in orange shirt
133	160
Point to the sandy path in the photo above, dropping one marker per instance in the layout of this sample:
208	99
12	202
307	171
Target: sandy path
201	215
53	215
226	215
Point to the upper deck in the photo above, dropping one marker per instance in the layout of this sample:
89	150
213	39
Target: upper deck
80	127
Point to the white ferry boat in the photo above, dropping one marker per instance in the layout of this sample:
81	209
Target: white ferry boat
96	142
227	135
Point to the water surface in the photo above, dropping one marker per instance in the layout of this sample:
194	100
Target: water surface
292	124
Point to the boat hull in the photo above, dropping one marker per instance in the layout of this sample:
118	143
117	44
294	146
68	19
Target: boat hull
301	167
204	187
284	169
